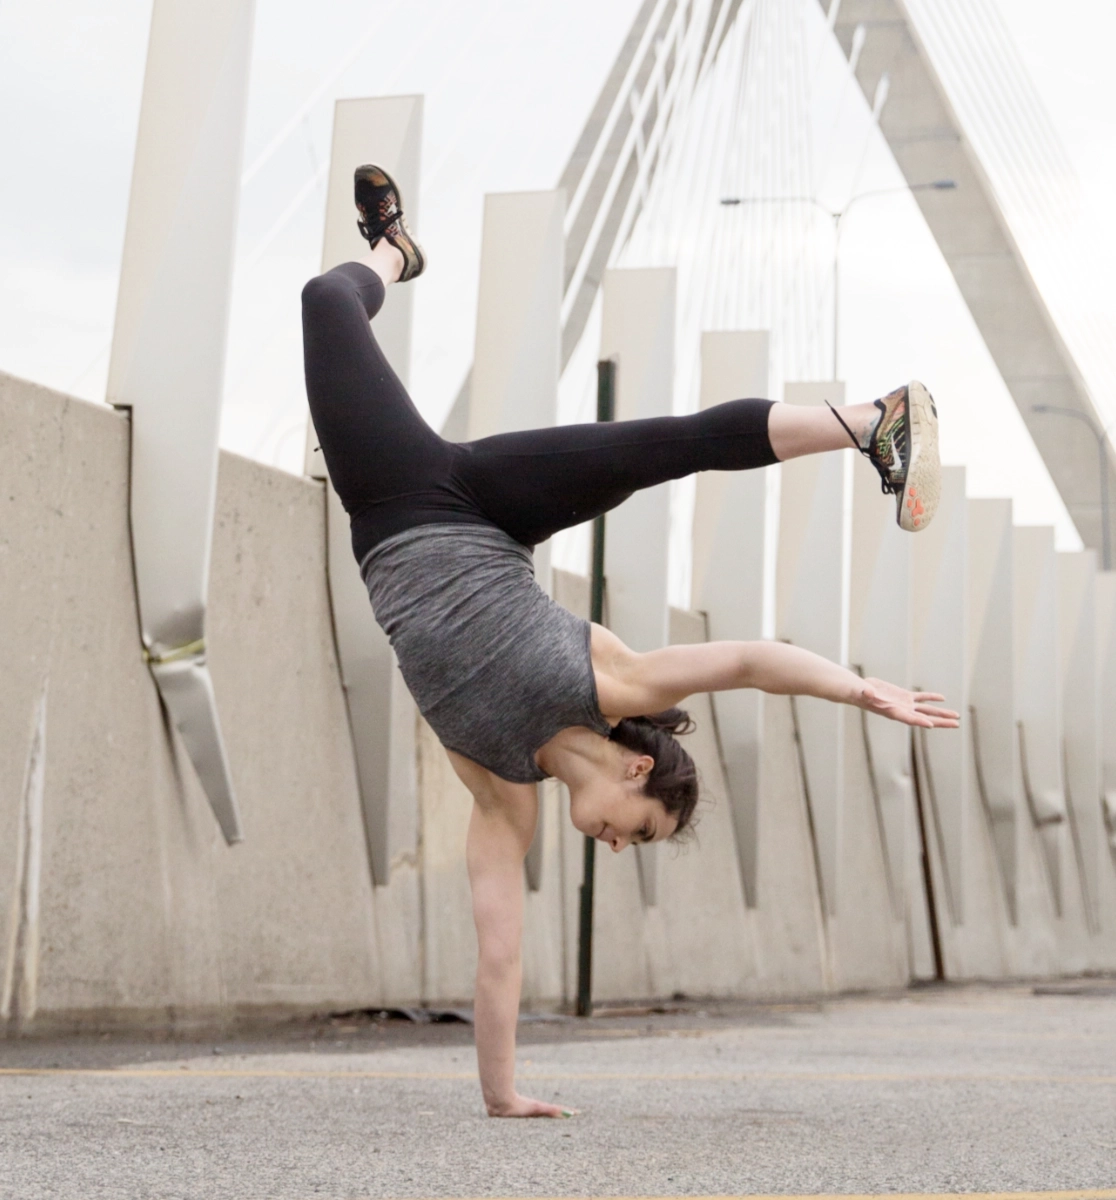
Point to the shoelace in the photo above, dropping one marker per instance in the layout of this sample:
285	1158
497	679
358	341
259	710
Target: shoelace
377	231
887	486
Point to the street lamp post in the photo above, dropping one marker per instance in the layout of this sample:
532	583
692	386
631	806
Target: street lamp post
1102	442
837	217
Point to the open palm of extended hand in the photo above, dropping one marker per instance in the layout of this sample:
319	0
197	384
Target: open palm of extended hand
912	708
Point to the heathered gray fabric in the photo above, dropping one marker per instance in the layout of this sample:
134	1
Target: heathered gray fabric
495	665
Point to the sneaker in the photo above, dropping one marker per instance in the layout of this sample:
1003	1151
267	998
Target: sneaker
903	448
381	216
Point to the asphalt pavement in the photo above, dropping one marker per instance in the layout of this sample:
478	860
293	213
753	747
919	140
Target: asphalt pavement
939	1090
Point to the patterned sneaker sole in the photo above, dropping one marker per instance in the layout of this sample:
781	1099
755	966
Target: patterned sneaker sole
919	499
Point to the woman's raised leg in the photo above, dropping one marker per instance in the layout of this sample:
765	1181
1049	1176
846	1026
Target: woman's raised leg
376	444
539	481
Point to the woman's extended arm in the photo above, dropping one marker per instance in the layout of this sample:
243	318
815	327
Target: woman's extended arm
633	684
500	833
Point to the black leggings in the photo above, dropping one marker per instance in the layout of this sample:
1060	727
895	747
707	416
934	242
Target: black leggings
393	472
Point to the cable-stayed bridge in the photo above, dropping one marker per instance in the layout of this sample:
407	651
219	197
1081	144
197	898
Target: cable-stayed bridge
986	852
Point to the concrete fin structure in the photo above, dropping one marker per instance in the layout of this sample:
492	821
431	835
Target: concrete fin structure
1077	627
387	131
992	687
637	330
939	621
168	348
929	141
729	563
21	938
516	360
880	647
1038	693
810	611
1106	661
518	344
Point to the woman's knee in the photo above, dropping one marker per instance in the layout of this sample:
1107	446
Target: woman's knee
324	292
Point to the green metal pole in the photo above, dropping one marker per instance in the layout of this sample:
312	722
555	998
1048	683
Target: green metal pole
606	409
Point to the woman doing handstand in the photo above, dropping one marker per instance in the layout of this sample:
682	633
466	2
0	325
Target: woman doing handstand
516	687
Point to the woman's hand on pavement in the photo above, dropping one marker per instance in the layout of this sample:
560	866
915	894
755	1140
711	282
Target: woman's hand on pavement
523	1106
912	708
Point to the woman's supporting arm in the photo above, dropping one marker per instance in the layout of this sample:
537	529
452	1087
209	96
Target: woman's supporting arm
632	684
500	834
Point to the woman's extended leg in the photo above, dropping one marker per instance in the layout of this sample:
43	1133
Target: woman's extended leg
377	447
539	481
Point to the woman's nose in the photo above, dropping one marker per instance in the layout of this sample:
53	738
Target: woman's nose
618	843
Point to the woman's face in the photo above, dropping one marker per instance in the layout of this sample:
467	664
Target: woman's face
612	807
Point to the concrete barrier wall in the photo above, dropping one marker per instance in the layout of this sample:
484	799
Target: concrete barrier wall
142	910
120	902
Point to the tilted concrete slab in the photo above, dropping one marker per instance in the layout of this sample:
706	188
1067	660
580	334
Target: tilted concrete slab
1038	698
878	752
880	647
638	330
939	609
729	566
168	350
992	683
925	135
810	611
1077	629
1106	658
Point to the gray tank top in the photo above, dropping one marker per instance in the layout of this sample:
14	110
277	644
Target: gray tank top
495	665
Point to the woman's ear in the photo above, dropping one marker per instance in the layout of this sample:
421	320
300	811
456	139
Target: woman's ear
640	767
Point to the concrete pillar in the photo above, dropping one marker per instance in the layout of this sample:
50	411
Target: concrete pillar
638	329
1077	627
880	647
939	619
729	548
168	349
518	340
810	611
1106	660
1038	691
386	131
992	683
516	359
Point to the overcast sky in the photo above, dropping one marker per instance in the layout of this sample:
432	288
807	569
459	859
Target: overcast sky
507	88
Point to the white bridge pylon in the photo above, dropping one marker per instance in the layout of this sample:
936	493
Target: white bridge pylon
729	558
168	349
810	611
637	330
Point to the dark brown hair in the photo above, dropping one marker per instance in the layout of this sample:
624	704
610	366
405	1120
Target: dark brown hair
673	780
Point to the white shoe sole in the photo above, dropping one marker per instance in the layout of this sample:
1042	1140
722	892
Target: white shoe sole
919	500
